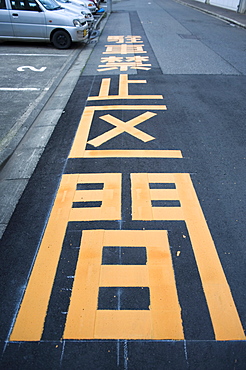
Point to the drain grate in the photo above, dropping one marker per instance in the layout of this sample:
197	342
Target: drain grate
186	36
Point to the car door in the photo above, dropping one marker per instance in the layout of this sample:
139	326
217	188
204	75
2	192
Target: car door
6	28
28	19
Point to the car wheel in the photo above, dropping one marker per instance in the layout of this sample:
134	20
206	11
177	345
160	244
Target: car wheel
61	40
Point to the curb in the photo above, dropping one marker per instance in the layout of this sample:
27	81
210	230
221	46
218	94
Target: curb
222	17
16	135
12	188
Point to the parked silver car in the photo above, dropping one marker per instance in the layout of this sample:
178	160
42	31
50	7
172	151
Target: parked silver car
67	4
41	20
88	4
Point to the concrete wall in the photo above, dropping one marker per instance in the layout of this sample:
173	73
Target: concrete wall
242	6
236	5
228	4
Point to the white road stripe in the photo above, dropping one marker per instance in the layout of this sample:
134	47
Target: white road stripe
19	89
34	55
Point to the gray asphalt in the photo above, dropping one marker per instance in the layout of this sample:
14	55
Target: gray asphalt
198	64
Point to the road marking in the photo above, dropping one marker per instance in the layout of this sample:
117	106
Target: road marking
19	89
121	127
110	197
123	90
33	55
133	153
223	312
124	49
30	319
31	316
123	63
128	39
81	137
78	149
86	321
22	69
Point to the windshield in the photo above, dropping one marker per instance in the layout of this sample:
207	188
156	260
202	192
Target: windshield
50	4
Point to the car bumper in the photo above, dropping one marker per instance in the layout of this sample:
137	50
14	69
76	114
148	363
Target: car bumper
92	9
79	33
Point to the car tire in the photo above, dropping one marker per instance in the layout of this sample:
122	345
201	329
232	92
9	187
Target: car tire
61	39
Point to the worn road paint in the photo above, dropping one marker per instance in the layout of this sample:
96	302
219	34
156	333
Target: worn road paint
124	49
123	90
81	137
30	319
121	127
86	321
132	154
31	316
123	46
223	312
162	319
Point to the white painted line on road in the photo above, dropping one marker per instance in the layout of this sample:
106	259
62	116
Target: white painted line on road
33	55
19	89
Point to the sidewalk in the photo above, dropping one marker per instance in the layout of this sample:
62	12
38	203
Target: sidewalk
238	19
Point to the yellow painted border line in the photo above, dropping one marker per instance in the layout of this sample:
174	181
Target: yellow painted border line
127	107
132	154
112	97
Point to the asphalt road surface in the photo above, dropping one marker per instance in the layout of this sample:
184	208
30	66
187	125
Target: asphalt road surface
126	249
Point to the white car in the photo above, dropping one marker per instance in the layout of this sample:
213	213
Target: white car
67	4
41	20
87	4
